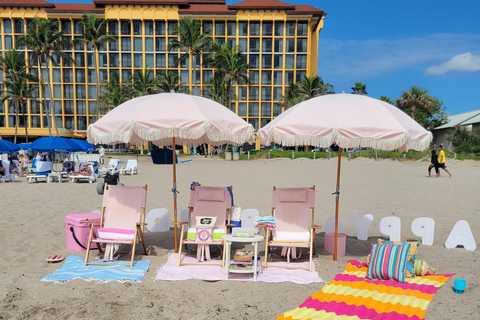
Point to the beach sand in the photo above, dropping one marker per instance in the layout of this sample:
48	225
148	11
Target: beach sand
33	227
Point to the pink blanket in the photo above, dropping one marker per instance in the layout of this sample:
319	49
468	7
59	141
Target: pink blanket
171	271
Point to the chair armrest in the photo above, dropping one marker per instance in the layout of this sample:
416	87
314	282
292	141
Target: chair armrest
180	223
230	225
141	224
316	227
89	221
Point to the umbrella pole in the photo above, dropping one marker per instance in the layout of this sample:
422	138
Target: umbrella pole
337	200
174	191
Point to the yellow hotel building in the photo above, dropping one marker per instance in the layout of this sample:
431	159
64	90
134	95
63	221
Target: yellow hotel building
279	41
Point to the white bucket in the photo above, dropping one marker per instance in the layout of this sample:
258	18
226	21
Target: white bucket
236	156
228	156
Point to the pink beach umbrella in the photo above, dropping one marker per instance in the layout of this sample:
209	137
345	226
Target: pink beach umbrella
350	121
171	119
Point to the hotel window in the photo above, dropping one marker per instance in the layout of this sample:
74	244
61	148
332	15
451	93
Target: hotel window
253	109
278	45
126	28
149	60
102	60
253	77
267	28
184	76
277	93
264	122
148	28
67	26
160	28
290	45
137	28
35	107
267	77
81	123
278	61
289	61
113	46
277	77
92	76
288	77
126	75
77	27
137	44
80	45
301	61
90	60
138	60
149	44
254	123
254	61
160	44
302	45
231	28
242	93
172	61
57	93
8	42
172	25
290	28
18	26
69	108
279	28
300	75
267	45
80	75
57	75
242	44
79	59
70	123
57	107
126	44
277	109
7	26
220	40
113	27
266	109
207	76
231	42
103	75
208	27
220	28
266	93
114	60
242	109
81	107
266	61
126	60
35	122
92	108
243	28
254	28
253	93
67	75
302	29
68	91
92	92
254	45
161	61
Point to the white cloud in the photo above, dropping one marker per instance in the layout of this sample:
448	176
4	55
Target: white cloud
373	57
466	62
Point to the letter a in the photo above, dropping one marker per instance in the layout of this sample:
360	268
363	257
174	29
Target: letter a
461	235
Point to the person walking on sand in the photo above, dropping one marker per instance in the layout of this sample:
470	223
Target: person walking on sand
441	161
433	164
101	151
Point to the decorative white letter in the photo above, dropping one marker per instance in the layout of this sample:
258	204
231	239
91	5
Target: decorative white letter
461	235
330	225
390	226
361	225
425	228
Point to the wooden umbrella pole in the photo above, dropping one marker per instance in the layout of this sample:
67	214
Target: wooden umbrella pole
174	191
337	200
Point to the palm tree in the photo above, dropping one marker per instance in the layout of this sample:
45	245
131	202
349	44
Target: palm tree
313	86
45	41
291	96
143	82
214	89
416	99
191	42
386	99
16	83
94	33
359	88
168	82
115	94
231	66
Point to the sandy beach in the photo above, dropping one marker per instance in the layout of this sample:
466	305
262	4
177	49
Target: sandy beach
33	227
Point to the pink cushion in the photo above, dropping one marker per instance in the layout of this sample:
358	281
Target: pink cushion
211	195
293	196
116	234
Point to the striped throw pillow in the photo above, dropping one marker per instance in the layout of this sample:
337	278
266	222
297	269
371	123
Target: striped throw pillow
388	262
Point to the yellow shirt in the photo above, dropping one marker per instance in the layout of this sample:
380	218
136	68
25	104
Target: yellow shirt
441	157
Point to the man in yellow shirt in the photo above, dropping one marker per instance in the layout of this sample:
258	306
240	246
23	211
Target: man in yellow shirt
441	160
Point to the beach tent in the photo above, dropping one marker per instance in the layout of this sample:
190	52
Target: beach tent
8	147
171	119
163	156
350	121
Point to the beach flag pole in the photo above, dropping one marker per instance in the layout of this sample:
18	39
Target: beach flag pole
337	200
174	191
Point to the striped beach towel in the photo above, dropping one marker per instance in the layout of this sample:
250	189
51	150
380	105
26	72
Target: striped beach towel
351	296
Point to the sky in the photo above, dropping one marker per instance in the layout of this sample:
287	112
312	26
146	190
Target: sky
393	45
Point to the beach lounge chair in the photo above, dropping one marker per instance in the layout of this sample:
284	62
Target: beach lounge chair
293	209
43	169
130	168
121	222
7	175
33	167
91	178
111	167
207	202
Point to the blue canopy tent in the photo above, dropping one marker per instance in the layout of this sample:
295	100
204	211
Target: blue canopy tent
84	145
8	147
25	146
54	144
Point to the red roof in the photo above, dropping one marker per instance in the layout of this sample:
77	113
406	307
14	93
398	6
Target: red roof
206	1
25	3
147	2
304	9
75	8
219	9
262	4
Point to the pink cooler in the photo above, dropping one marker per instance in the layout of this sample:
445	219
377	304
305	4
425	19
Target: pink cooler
79	231
329	244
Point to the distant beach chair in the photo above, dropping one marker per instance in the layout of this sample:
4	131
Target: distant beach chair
79	177
7	175
121	222
293	209
130	168
111	167
214	202
43	169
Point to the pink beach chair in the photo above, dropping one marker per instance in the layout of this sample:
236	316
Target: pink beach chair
207	202
121	222
293	209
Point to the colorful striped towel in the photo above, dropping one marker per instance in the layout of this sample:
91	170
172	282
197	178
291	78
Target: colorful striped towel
351	296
